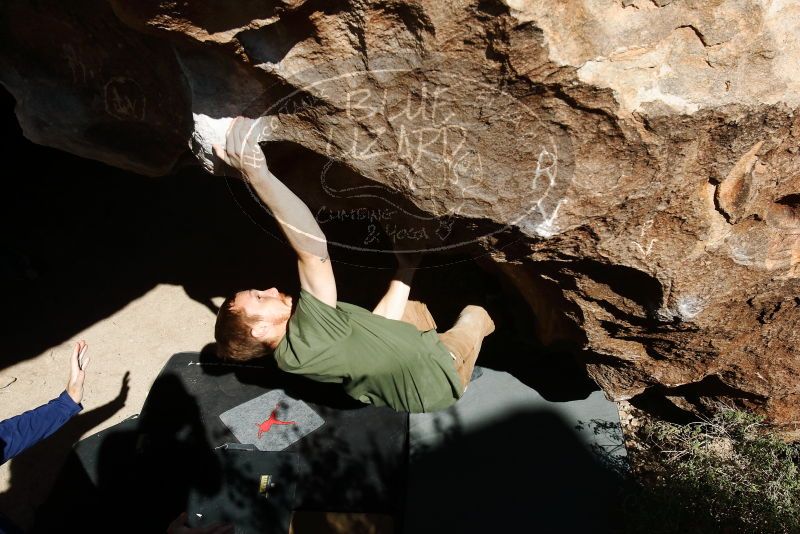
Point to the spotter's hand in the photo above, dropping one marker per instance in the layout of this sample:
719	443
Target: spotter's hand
77	371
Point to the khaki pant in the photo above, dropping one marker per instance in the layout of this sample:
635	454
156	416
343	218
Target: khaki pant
417	313
463	339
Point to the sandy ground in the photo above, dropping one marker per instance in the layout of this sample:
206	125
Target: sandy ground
133	340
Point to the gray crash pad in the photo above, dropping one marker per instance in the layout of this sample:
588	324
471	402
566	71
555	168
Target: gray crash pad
505	459
272	421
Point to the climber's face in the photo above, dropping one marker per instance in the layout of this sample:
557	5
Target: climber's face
268	305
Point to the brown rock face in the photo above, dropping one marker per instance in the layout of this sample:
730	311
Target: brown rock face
631	166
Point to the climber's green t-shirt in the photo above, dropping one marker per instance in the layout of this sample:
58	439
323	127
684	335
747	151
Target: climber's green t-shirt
379	361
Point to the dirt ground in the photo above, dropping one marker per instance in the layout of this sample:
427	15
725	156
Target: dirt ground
136	340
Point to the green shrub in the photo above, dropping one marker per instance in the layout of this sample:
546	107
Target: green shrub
725	474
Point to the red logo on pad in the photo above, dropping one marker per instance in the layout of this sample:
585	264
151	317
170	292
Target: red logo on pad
267	425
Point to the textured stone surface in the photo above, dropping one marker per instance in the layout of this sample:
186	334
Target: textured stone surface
631	166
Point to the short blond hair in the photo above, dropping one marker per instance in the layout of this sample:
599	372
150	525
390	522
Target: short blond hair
233	334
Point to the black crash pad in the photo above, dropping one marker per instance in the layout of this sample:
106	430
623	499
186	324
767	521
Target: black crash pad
141	473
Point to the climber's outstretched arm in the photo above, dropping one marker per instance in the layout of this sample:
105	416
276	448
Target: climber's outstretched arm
393	303
243	154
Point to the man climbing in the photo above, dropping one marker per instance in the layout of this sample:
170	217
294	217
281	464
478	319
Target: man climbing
390	356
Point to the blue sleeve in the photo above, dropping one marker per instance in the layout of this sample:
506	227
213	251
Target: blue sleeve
29	428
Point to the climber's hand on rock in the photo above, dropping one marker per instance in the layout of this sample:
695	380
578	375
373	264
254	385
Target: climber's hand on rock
242	151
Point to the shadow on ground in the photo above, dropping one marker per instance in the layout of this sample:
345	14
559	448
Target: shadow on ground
35	471
135	476
527	471
149	469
